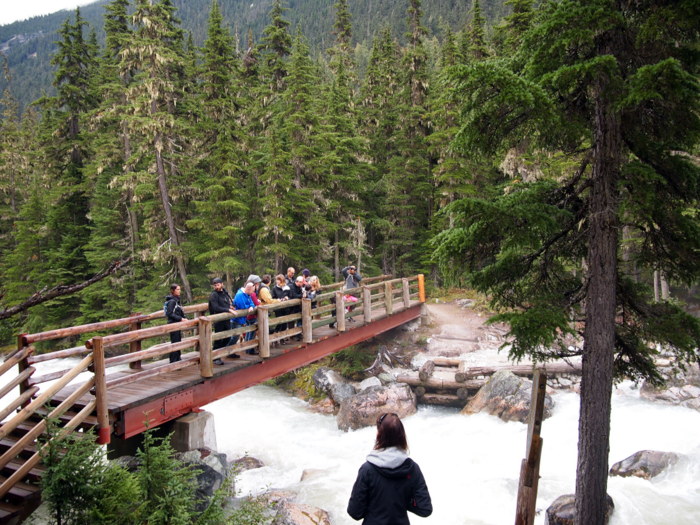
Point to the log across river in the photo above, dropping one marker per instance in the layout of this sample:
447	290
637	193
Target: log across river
451	382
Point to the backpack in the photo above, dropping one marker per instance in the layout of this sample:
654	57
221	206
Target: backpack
165	307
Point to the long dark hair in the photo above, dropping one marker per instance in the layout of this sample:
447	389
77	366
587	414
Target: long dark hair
173	287
390	432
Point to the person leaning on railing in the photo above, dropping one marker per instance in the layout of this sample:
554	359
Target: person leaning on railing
174	313
220	302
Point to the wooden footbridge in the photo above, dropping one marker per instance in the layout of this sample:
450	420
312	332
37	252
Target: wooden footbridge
124	383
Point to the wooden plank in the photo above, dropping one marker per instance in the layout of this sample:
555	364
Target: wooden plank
340	311
264	331
530	466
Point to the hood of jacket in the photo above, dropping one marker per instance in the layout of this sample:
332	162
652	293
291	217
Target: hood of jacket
391	462
170	297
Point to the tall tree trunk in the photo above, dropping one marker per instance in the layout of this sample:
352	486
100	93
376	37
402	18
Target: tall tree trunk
169	219
599	334
336	256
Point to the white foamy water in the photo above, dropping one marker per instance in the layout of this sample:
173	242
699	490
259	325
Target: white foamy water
471	463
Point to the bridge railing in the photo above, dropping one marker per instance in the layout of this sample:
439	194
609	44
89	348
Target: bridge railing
376	298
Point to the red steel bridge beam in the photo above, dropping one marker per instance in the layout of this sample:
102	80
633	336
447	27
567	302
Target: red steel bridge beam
132	421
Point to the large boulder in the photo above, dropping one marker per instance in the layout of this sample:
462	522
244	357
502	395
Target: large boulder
325	377
644	464
333	384
361	410
507	396
289	513
212	469
339	392
562	510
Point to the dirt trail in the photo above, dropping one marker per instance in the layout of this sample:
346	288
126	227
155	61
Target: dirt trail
459	331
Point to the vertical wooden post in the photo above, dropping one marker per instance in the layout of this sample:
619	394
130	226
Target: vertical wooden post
421	288
264	331
206	367
388	298
530	466
406	293
339	311
367	304
306	326
135	346
98	367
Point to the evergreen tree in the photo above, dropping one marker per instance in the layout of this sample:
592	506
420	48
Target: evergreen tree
158	129
276	46
379	118
473	42
408	206
508	34
221	206
115	225
614	86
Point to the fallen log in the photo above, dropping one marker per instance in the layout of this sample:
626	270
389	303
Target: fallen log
465	372
445	400
438	382
426	370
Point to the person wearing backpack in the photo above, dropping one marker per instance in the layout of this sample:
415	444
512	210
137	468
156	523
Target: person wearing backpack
174	314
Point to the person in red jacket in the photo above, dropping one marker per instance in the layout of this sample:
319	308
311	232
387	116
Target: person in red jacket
389	484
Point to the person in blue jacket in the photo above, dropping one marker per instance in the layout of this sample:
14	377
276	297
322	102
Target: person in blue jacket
389	484
243	302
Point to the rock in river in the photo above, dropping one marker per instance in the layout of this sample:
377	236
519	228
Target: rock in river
644	464
362	410
507	396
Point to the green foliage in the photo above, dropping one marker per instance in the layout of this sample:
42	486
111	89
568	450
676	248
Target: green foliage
81	486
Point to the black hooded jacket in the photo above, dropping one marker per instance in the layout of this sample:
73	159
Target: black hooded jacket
173	309
388	486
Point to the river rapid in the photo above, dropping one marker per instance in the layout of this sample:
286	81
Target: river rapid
471	463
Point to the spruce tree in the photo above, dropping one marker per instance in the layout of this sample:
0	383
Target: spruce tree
221	204
408	206
613	86
115	225
158	129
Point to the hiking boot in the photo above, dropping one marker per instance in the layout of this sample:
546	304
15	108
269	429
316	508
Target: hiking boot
218	362
234	356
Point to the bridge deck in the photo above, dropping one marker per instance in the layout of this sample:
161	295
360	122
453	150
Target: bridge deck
175	393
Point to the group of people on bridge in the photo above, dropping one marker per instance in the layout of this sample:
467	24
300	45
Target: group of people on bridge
256	291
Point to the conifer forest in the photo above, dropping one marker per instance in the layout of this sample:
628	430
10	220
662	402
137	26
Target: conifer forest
545	155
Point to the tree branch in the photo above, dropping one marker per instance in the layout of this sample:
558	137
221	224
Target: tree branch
58	291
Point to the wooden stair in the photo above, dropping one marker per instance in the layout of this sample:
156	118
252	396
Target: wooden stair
25	496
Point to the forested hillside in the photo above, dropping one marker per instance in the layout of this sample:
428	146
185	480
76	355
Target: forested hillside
29	45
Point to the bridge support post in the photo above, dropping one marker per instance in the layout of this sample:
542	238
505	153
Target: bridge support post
367	304
340	311
194	430
263	331
306	326
206	367
98	364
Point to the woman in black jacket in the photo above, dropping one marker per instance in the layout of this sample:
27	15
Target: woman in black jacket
389	484
174	313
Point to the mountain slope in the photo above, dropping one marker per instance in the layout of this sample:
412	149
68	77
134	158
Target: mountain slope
29	45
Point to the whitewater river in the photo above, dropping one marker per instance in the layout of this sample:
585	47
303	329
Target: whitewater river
471	463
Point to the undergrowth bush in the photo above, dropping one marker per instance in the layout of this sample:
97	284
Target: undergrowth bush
81	486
